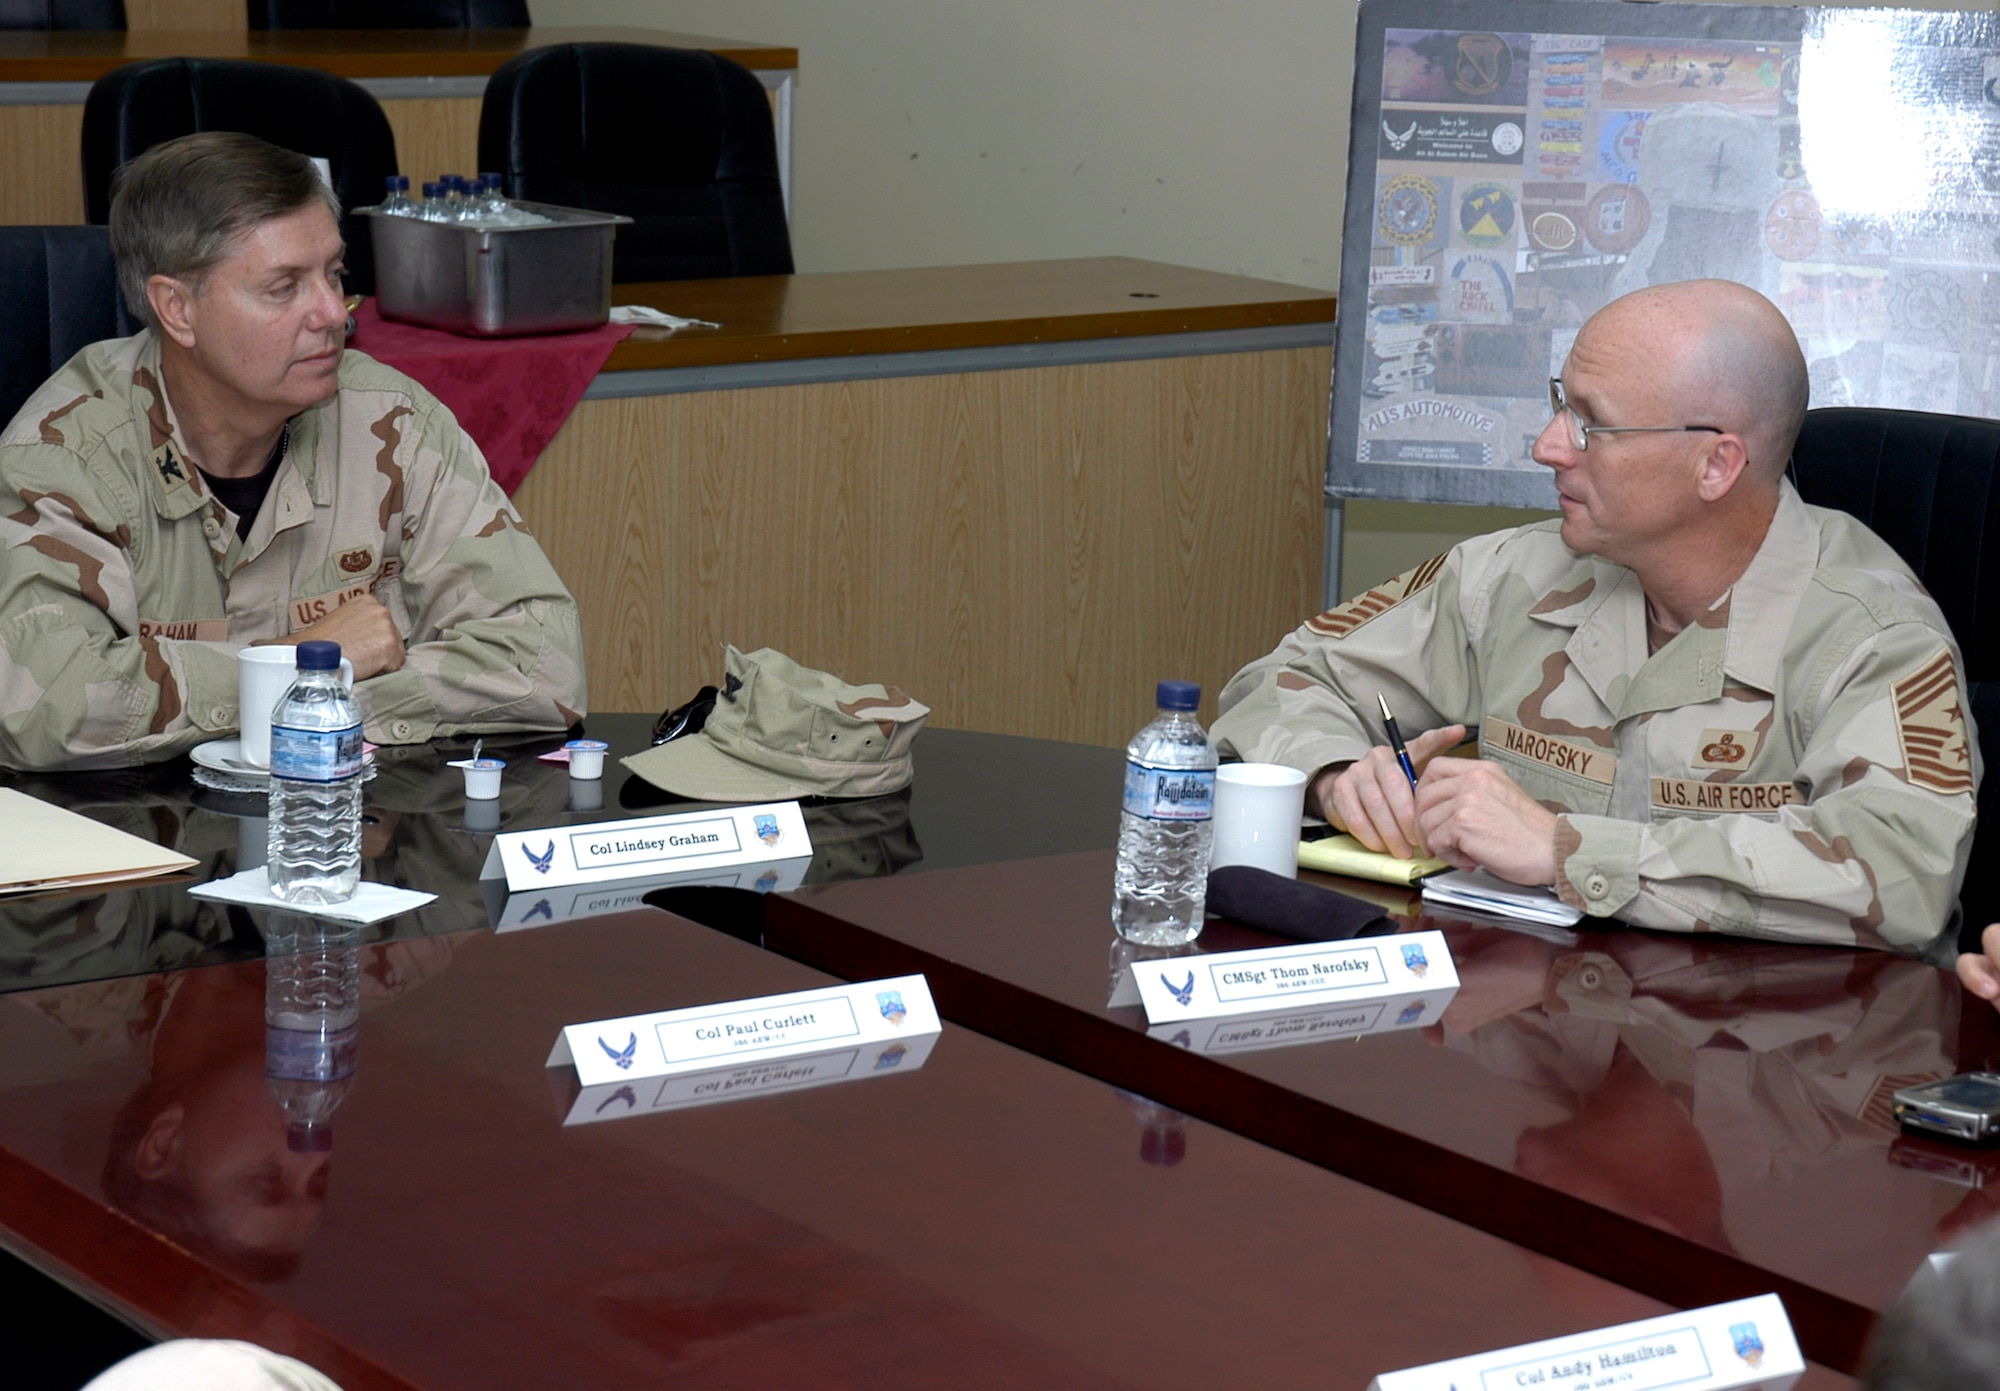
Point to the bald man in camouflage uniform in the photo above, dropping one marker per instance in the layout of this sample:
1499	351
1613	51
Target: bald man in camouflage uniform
1701	705
231	475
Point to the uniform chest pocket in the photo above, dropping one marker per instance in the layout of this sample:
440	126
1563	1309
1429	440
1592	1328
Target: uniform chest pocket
1556	772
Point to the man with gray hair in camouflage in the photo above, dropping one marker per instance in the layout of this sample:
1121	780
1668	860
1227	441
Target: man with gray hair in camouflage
1701	705
232	475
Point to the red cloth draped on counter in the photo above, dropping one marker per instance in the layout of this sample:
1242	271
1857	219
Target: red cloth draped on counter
510	394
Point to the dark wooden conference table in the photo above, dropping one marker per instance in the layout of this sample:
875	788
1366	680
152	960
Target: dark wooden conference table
1600	1130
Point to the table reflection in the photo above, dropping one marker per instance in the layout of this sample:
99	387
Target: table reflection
1690	1081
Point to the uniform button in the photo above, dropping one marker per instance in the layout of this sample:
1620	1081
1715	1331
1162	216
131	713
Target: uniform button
1597	886
218	718
401	729
1590	978
212	527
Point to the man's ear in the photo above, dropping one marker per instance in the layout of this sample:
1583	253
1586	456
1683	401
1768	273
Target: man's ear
159	1148
1722	467
173	305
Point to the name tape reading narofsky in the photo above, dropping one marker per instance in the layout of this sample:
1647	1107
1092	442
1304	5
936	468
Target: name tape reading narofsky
1281	978
607	851
1745	1343
775	1026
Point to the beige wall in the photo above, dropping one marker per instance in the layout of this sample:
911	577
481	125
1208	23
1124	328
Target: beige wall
941	132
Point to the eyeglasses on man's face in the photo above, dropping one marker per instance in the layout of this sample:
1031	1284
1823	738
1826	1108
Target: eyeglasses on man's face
1580	433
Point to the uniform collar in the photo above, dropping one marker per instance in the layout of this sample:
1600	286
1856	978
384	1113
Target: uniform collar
1742	636
178	488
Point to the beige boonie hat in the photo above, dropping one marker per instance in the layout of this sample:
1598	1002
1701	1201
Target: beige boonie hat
780	731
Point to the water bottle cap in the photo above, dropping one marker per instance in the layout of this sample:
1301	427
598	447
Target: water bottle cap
1179	695
433	190
319	656
489	179
399	183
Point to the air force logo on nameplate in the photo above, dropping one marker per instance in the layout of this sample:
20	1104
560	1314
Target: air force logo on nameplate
734	1033
1308	976
1725	1347
648	848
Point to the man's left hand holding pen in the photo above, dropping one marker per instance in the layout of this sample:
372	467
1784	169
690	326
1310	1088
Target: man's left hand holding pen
1464	811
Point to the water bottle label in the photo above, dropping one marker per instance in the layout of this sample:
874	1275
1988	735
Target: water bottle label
1167	794
315	755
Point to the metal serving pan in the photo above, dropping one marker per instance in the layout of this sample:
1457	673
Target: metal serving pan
492	282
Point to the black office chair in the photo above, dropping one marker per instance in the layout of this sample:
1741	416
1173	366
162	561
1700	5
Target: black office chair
62	14
388	14
133	108
680	141
1927	485
58	294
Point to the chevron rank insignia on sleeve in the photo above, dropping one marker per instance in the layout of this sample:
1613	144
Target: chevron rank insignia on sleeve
1930	721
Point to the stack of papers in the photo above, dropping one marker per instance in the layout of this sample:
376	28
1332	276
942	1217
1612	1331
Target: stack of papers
1482	893
1346	855
44	847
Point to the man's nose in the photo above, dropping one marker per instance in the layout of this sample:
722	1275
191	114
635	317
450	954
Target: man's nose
328	307
1553	447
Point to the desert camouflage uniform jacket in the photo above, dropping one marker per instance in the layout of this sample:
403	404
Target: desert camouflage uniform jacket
1798	765
125	591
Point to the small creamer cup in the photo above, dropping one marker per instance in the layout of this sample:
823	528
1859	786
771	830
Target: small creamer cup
1258	809
482	777
586	758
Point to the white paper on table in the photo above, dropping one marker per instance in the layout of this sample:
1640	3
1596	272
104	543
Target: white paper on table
371	902
655	318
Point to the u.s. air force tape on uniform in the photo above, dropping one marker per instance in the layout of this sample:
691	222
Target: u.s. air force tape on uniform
704	1037
1312	974
1745	1343
611	851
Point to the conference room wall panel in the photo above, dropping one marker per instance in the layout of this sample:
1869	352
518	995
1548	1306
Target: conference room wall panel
1027	551
45	158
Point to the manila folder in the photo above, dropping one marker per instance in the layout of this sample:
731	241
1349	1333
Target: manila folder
43	847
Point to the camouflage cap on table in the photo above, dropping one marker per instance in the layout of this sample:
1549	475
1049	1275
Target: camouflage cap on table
780	730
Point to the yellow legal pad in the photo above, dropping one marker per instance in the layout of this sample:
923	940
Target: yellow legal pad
44	847
1346	855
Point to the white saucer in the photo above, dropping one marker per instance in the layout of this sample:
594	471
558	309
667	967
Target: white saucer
226	756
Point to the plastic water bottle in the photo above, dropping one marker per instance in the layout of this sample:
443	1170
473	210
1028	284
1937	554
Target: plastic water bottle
1161	884
435	207
312	1022
315	845
492	202
398	203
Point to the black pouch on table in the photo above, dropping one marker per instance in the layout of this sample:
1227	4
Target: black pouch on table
1268	902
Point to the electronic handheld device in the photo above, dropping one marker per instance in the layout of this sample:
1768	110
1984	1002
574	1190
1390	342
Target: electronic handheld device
1965	1107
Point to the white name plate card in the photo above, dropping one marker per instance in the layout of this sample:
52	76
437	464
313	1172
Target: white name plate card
539	907
776	1026
1725	1347
645	849
612	1101
1254	1033
1307	976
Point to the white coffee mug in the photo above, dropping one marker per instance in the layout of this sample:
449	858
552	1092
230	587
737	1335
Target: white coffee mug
1258	807
263	674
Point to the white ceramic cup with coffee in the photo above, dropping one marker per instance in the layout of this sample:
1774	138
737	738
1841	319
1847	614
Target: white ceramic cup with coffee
263	674
1257	816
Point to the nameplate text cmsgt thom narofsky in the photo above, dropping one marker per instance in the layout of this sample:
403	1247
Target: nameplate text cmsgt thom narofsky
1178	988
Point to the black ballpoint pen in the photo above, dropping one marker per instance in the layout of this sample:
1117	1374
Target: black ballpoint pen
1396	740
